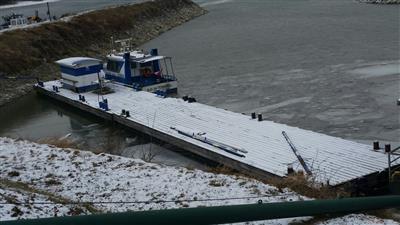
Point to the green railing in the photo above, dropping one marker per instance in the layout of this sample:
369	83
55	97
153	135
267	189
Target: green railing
225	214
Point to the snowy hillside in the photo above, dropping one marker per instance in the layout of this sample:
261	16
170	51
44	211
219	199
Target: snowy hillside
31	172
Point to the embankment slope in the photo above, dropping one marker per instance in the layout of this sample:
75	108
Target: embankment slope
30	52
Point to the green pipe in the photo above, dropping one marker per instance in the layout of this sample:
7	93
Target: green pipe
225	214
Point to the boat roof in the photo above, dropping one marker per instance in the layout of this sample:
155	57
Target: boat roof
77	62
152	58
136	56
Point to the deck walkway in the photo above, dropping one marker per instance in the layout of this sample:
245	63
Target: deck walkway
329	158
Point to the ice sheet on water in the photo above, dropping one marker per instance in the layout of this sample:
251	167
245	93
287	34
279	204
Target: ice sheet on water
378	70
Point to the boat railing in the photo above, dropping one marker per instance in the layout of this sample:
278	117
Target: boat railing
168	77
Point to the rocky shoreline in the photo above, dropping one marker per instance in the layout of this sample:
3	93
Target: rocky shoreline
87	34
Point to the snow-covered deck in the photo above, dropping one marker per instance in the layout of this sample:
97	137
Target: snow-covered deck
330	159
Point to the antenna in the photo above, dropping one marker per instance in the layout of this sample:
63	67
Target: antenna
48	10
112	44
124	45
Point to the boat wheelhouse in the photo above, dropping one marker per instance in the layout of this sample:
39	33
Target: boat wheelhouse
143	71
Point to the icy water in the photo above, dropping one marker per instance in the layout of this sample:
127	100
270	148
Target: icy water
328	66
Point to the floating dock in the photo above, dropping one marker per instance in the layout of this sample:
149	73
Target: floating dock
263	148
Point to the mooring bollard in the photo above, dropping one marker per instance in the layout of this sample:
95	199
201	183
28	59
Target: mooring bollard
40	83
80	97
260	117
127	114
123	112
253	115
191	99
376	145
387	148
105	105
290	170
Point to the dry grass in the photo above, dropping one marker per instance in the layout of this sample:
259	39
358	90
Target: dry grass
300	184
60	143
221	169
297	182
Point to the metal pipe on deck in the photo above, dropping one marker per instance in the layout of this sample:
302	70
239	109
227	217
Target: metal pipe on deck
296	152
225	214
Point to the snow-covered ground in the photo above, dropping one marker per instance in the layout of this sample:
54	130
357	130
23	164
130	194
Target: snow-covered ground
26	210
85	176
357	219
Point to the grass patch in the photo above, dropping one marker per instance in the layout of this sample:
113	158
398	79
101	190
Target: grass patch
60	143
4	183
297	183
221	169
216	183
300	184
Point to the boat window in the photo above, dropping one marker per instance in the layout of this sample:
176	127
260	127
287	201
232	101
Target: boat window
146	71
133	65
146	64
113	66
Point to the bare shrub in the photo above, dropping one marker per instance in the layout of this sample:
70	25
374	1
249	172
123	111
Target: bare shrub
13	174
148	155
299	183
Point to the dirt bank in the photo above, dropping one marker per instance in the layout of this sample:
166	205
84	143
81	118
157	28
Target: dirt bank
28	53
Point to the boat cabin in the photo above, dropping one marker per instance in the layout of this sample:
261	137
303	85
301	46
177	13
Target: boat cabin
80	74
14	20
18	21
143	71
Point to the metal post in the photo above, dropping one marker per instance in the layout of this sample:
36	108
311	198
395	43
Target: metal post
390	161
297	154
389	169
48	11
388	151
